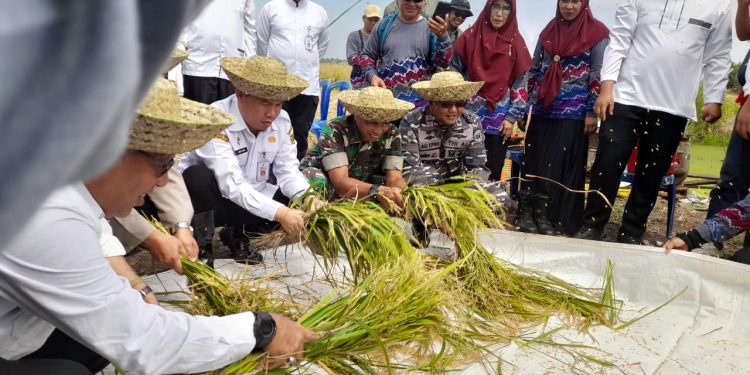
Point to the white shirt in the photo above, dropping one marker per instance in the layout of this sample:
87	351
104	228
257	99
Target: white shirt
657	51
242	162
111	246
225	28
297	35
54	275
746	88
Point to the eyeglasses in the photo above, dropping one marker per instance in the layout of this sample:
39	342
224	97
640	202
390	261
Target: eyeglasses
449	105
162	162
495	8
373	19
413	1
461	13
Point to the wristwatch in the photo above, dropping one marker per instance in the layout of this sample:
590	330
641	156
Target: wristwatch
181	225
146	290
374	190
264	329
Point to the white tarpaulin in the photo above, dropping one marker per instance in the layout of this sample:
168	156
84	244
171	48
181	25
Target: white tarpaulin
703	331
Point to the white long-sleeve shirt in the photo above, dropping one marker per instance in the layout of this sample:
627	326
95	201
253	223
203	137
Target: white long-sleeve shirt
243	163
225	28
54	275
297	35
658	51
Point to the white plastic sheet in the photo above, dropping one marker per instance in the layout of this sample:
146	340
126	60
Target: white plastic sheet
704	331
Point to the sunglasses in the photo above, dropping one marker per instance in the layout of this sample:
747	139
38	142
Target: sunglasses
449	105
461	13
413	1
373	19
162	162
506	10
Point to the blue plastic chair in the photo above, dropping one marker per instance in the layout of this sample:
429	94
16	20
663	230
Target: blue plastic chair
326	87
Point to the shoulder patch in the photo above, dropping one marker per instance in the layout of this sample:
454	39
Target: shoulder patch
291	136
223	137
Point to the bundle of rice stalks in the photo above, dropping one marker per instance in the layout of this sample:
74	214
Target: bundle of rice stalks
392	320
215	294
496	288
360	230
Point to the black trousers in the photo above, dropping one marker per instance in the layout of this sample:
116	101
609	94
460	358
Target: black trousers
60	346
496	148
43	367
301	111
206	196
557	149
657	134
206	89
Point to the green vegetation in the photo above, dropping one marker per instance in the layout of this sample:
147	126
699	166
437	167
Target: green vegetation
716	134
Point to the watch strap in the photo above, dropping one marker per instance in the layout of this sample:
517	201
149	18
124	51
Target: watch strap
264	329
145	291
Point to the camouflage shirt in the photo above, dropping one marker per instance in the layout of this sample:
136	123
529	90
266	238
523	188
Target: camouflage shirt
433	153
340	145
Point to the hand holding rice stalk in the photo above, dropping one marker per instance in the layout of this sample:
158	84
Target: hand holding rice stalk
361	230
497	288
393	319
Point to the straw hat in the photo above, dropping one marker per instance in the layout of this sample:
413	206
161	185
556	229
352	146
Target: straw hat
169	124
447	87
178	55
374	104
263	77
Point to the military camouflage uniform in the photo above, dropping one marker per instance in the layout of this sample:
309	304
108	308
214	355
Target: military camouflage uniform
434	153
340	145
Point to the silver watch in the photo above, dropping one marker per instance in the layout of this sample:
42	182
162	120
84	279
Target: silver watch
183	224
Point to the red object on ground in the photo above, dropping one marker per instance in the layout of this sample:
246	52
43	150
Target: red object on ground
634	158
741	98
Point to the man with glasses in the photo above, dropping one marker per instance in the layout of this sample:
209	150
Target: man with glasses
430	6
442	140
355	44
60	299
460	10
406	48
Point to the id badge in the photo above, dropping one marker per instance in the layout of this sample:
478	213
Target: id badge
309	39
263	169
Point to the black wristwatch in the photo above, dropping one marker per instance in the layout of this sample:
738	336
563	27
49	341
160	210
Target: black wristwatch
264	329
373	190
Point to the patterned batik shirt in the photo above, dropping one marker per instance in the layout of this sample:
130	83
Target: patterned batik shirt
727	223
433	153
341	145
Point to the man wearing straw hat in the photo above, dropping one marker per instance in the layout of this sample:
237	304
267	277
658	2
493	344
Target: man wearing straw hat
60	299
360	155
442	140
245	177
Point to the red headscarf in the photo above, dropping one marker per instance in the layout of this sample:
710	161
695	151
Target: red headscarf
562	38
496	57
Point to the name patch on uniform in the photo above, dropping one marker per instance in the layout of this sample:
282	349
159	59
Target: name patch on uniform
700	23
240	151
222	137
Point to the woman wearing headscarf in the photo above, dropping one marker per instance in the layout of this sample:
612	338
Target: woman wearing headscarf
563	85
493	50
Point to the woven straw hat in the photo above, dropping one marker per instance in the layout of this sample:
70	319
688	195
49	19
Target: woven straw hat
374	104
178	56
264	77
169	124
447	87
